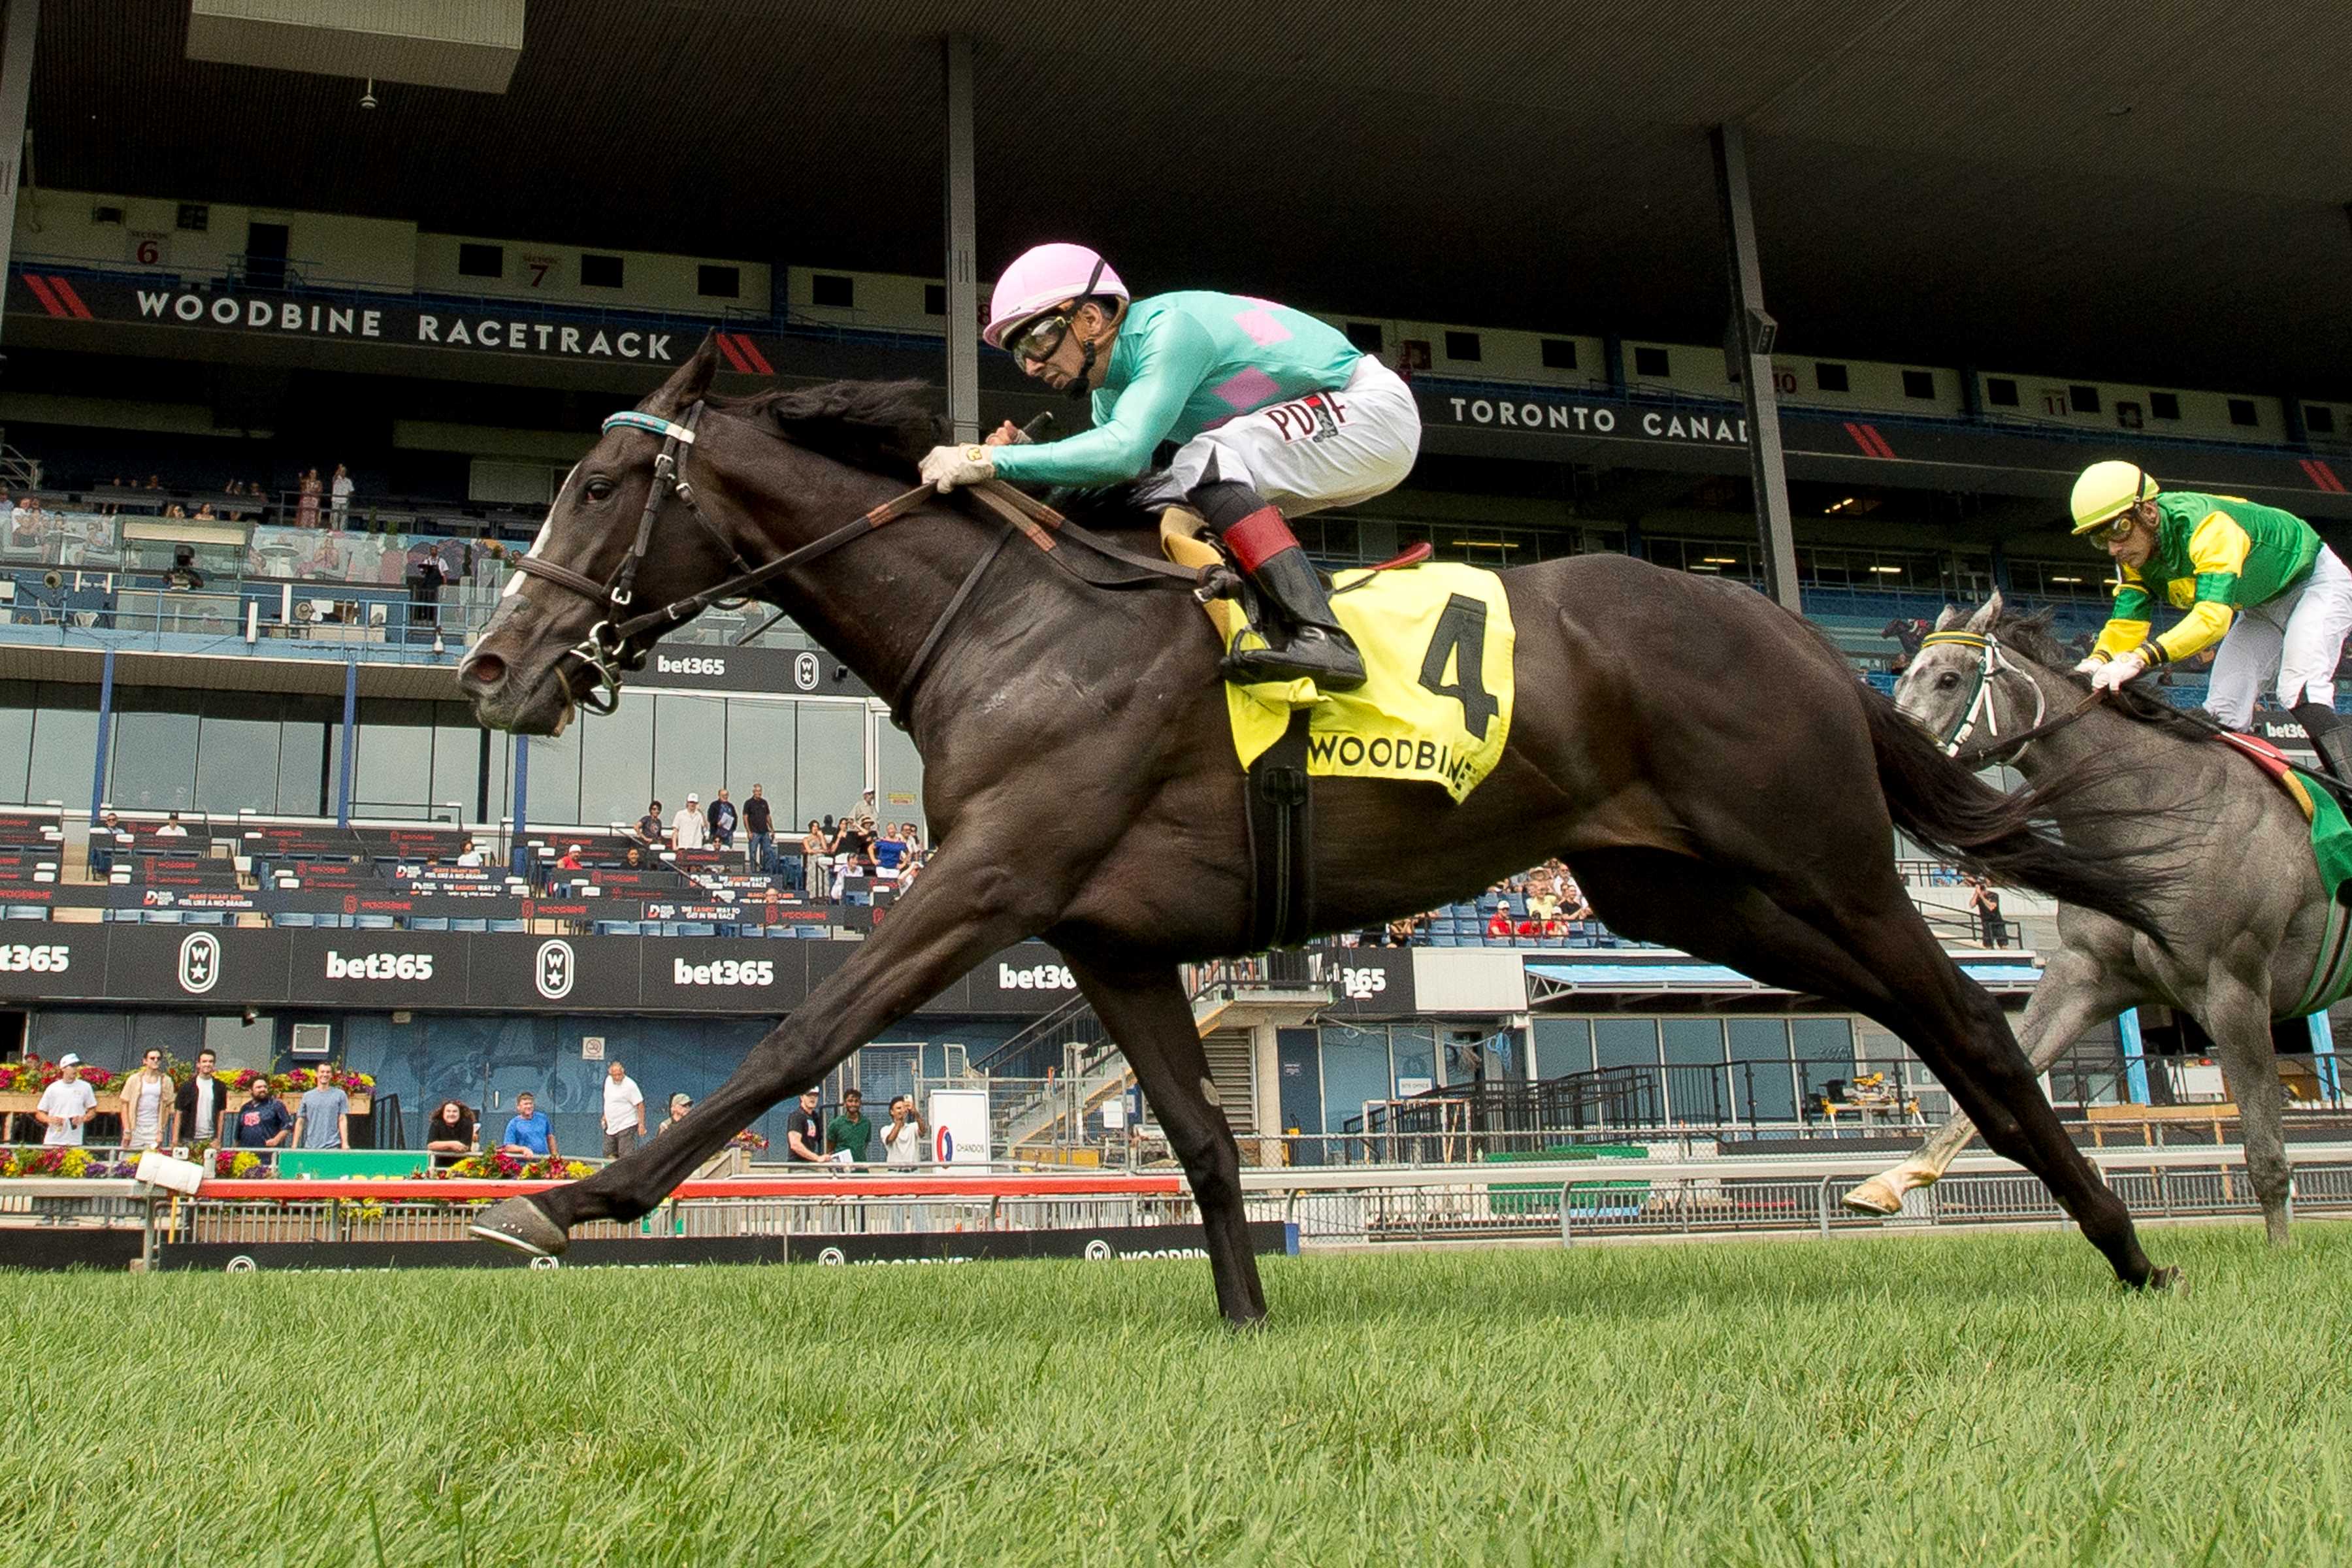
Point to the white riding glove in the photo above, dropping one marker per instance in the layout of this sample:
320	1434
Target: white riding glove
2113	675
2090	666
945	468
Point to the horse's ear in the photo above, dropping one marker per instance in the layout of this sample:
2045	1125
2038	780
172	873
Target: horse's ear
687	383
1986	618
1952	616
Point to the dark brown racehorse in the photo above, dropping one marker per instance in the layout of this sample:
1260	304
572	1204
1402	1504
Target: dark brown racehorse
1711	767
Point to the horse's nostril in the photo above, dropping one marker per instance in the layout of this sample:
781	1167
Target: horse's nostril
484	670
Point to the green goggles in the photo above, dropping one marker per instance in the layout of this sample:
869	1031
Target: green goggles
1039	339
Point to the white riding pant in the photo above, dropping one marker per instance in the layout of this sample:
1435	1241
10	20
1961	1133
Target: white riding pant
2297	638
1326	449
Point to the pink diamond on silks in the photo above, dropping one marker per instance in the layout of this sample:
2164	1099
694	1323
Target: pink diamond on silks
1261	327
1248	389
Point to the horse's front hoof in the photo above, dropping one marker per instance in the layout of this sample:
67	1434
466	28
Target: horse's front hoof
1875	1197
2168	1280
523	1225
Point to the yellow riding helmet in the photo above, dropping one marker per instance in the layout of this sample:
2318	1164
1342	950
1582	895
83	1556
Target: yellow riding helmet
2106	491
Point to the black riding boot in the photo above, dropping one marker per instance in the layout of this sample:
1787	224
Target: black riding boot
1314	649
2331	737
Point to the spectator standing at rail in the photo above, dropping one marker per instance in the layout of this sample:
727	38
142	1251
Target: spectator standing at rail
65	1106
816	856
723	817
305	510
679	1104
625	1112
688	829
760	831
197	1108
146	1100
903	1140
850	1134
1986	903
450	1135
323	1120
262	1122
342	487
803	1132
529	1134
652	831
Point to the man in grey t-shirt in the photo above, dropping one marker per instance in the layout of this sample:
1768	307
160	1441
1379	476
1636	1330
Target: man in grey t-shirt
322	1122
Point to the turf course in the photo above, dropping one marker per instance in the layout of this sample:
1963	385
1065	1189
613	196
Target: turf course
1986	1399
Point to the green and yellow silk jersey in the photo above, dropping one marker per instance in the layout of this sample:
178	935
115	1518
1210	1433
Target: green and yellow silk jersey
2214	556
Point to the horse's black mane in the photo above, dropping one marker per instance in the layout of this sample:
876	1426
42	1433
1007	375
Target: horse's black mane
2030	634
882	427
886	427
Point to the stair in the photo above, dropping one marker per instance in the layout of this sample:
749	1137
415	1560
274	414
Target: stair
1229	1069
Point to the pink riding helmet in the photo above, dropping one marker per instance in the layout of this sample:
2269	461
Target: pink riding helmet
1042	278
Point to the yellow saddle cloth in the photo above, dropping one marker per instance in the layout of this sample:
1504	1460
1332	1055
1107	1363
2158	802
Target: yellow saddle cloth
1435	705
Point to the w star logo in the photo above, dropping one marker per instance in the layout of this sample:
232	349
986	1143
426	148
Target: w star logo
200	963
554	970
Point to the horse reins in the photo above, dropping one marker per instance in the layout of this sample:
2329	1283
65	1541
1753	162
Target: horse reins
612	648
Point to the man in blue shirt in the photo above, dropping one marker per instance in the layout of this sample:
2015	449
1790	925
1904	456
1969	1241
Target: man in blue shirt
528	1135
265	1122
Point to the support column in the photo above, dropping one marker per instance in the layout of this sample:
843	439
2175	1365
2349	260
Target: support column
350	743
105	730
964	266
2135	1057
1747	350
2323	1054
521	802
18	26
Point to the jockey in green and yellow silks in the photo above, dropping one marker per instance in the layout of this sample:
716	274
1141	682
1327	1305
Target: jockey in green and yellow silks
2255	579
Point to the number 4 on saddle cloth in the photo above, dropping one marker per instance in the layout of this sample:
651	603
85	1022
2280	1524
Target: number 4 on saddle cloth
1435	705
2331	848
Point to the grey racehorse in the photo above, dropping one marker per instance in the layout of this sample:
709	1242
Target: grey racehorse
2241	908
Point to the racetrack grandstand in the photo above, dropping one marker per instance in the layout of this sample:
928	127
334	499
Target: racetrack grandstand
278	418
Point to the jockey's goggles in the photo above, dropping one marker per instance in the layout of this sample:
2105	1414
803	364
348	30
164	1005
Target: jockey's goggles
1037	339
2115	532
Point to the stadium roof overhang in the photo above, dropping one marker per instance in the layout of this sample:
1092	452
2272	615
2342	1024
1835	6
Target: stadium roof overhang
2154	194
1631	982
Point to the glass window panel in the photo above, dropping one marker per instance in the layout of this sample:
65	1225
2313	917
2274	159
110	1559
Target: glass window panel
1824	1051
1763	1080
1563	1046
305	788
831	749
457	761
551	780
65	744
1693	1041
1625	1042
496	802
154	758
17	708
1355	1069
395	775
690	750
237	752
1414	1052
616	766
759	739
899	794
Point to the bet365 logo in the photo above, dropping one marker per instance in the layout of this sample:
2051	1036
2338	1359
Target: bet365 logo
1362	985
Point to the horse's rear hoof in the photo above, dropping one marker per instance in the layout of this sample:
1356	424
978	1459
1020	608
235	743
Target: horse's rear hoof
2168	1280
1874	1196
523	1225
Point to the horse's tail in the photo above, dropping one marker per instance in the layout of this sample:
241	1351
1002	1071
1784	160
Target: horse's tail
2007	837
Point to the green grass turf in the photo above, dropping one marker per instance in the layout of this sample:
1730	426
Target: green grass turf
1966	1399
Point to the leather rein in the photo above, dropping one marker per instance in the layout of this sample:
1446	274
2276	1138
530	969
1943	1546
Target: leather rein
617	644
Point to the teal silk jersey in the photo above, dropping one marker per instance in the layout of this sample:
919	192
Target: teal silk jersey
1183	364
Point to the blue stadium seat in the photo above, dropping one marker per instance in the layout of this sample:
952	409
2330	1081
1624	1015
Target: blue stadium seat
470	924
809	933
691	927
1443	939
206	918
508	925
429	923
784	932
372	922
164	917
27	911
616	928
292	917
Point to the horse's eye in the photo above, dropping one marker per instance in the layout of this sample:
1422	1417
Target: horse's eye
599	489
1947	680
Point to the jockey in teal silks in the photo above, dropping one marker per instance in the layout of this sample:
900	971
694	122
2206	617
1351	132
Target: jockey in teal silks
1273	412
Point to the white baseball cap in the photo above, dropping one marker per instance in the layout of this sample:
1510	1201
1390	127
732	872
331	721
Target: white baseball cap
68	1060
692	799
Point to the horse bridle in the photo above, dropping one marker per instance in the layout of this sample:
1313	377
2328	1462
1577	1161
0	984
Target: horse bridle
618	643
1996	662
